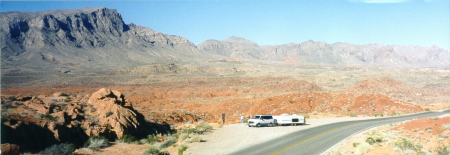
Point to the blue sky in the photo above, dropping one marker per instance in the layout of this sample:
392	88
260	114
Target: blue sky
274	22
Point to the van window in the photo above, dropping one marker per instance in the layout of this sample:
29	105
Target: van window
267	117
255	117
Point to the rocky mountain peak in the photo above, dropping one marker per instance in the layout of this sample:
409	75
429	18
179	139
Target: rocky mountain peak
240	40
85	38
31	31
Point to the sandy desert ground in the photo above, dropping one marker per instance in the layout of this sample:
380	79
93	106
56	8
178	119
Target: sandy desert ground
323	92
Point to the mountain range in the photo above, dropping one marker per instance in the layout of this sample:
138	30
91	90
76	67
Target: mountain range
98	38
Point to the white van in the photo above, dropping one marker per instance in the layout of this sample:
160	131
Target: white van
286	119
261	120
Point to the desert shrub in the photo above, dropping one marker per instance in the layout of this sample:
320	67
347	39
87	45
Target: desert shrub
395	113
152	151
182	137
199	129
182	149
96	142
63	94
427	109
48	116
11	98
11	110
72	94
196	139
68	99
5	115
150	139
170	140
188	130
442	150
353	115
363	148
379	139
7	105
446	126
356	144
202	128
406	144
370	140
109	113
126	139
23	114
57	149
377	115
37	115
428	130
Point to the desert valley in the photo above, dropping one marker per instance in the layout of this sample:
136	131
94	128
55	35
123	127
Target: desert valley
76	79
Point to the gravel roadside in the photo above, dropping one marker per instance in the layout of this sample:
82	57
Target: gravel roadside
233	137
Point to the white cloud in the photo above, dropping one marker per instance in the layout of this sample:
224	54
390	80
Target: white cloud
381	1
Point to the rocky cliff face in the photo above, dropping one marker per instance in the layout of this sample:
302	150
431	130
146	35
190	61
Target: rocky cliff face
88	37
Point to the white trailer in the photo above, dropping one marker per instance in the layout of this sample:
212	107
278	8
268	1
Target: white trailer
286	119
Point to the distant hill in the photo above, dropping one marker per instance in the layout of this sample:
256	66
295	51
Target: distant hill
98	39
337	53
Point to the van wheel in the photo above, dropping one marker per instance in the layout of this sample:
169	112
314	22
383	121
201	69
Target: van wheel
270	124
258	125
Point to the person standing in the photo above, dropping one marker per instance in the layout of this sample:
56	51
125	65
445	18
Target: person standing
242	119
223	119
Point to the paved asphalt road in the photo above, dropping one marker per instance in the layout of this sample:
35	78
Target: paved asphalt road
315	141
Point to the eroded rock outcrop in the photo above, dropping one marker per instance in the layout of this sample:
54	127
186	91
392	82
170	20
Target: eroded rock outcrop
39	124
34	134
115	115
10	149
